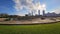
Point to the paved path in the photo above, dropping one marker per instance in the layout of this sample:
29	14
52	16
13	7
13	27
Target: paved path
38	20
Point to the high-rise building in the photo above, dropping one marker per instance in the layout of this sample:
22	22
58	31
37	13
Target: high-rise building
43	12
38	12
29	14
32	13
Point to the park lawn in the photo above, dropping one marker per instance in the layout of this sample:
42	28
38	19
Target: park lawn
31	29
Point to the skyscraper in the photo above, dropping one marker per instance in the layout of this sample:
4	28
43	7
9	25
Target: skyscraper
43	12
38	12
32	13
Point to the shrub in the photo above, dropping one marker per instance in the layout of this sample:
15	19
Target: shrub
7	19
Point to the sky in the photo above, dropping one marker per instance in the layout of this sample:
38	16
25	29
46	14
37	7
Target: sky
22	7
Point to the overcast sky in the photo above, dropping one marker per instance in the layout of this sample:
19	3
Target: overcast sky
21	7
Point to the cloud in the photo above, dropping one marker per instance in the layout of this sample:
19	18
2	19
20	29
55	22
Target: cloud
57	11
31	5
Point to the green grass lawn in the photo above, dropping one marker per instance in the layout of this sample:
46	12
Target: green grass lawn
30	29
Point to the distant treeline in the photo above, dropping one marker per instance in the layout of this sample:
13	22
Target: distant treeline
21	17
18	17
8	16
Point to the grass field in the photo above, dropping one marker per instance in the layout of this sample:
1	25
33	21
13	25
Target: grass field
31	29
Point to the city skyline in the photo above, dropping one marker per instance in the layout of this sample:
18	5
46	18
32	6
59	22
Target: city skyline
21	7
